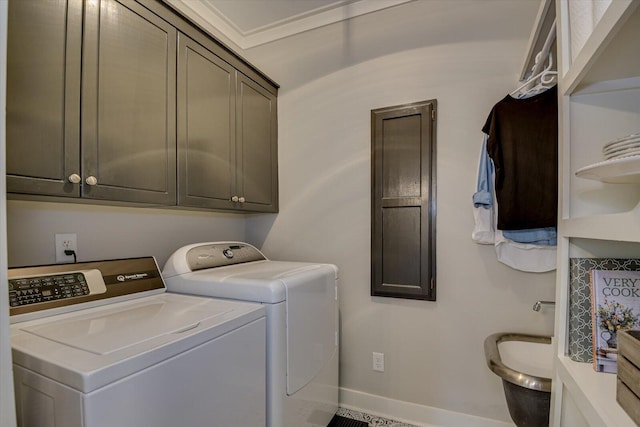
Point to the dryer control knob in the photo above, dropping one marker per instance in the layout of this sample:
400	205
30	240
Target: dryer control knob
228	253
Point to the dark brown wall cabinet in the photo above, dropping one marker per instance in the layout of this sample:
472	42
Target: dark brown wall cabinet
114	100
403	205
124	148
128	104
227	134
43	96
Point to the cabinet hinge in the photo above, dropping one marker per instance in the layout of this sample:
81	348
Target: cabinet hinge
433	115
432	283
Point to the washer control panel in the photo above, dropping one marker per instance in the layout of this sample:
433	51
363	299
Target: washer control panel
37	289
43	290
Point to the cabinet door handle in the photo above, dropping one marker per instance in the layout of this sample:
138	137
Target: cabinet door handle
235	199
74	178
91	180
241	199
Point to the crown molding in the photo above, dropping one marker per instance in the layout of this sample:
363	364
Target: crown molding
211	19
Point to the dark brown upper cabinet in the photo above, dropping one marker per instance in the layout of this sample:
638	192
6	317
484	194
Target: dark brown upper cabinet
403	202
43	97
227	134
91	101
128	102
206	127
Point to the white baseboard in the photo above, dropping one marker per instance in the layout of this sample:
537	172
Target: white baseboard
411	413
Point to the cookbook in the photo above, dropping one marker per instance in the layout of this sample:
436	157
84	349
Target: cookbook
615	306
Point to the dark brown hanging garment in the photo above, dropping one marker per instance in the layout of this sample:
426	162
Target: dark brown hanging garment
523	144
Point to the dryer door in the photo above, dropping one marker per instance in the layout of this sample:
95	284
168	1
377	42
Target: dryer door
311	323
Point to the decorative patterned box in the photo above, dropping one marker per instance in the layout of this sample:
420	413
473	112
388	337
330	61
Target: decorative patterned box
628	385
580	332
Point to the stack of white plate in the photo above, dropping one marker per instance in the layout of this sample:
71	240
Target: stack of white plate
622	147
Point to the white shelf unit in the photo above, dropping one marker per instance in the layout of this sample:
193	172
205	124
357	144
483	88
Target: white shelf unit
625	170
599	96
594	394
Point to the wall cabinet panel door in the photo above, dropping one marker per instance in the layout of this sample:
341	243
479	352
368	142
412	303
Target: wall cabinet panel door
403	201
128	104
257	149
43	96
206	127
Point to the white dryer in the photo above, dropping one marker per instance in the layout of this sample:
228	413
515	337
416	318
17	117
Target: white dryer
301	301
102	344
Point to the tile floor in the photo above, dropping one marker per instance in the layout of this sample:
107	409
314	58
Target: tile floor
371	419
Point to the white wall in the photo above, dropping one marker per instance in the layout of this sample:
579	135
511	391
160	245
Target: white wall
7	411
107	232
433	350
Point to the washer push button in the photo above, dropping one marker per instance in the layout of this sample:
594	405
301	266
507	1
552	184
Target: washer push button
38	289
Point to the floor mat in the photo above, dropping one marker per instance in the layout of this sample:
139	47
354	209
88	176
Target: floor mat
339	421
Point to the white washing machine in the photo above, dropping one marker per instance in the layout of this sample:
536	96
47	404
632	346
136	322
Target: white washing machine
301	300
102	344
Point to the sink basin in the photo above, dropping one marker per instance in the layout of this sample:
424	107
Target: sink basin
524	362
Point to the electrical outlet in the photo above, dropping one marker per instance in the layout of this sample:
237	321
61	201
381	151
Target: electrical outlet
378	362
64	242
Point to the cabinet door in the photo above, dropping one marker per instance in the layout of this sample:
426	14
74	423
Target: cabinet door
43	96
403	201
256	147
206	127
128	104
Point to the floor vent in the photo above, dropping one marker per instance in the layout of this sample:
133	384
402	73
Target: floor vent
339	421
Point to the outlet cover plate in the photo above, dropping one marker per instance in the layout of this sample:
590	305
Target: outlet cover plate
63	242
378	362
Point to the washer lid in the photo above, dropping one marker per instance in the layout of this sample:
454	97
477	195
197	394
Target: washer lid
93	347
259	281
119	329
